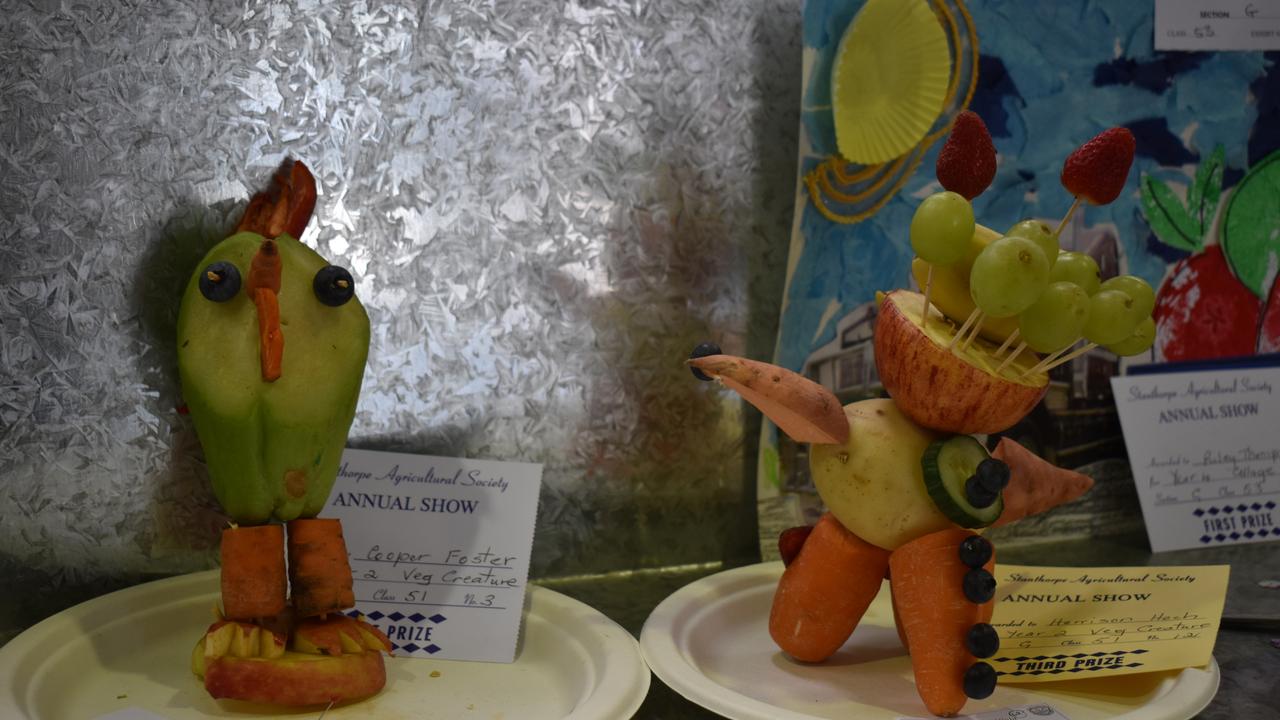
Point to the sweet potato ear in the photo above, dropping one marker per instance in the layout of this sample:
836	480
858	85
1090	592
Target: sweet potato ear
1035	484
800	407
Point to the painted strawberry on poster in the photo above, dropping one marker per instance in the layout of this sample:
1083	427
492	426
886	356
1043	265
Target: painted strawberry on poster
1251	242
1269	327
1203	309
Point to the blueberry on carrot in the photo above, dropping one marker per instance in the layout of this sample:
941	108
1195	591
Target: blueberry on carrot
253	573
979	681
975	551
979	586
982	640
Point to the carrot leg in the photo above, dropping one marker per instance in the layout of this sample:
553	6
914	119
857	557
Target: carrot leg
824	591
319	573
253	574
944	616
897	620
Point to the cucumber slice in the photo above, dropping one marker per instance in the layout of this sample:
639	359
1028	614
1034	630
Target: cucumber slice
947	465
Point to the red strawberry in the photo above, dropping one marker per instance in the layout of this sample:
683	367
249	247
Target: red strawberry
1202	311
967	162
791	540
1096	171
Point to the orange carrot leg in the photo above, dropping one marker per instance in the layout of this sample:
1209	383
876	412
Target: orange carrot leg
253	574
318	569
824	591
944	598
897	622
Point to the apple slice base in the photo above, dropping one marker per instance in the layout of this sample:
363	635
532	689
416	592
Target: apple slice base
296	679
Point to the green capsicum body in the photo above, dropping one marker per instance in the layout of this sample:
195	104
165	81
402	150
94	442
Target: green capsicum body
272	446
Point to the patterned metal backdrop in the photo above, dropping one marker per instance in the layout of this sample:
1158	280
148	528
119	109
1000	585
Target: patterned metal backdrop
545	205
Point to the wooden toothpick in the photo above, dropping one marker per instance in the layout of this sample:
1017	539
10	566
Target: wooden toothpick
1066	358
1007	342
977	328
1012	355
965	327
928	286
1070	211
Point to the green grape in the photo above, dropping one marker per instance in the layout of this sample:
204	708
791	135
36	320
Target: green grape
1007	276
1041	235
1077	268
1056	319
1139	342
1113	316
941	228
1137	288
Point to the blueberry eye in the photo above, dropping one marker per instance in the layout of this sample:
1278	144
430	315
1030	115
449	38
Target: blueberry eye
703	350
220	281
333	285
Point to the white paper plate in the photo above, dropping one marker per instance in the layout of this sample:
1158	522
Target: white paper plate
710	642
131	649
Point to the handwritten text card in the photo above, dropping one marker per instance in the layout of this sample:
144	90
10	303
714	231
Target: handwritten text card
1217	24
1205	452
1066	623
439	549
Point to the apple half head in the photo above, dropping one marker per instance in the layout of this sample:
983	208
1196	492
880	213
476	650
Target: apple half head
271	371
949	389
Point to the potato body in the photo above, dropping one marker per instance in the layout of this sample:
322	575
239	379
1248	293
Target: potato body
873	483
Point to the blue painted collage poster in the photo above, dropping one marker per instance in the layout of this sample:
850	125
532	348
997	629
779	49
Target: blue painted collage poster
1198	218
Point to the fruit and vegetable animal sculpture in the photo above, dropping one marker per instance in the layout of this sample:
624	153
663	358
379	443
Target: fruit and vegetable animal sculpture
272	344
906	485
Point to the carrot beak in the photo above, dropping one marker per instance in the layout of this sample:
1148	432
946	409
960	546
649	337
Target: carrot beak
263	287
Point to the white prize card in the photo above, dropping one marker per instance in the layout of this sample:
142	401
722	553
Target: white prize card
1204	446
439	549
1214	25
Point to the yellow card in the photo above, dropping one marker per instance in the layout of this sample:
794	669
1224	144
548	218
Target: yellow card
1063	623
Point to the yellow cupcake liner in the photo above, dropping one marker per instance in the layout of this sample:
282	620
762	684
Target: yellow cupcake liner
848	191
889	79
